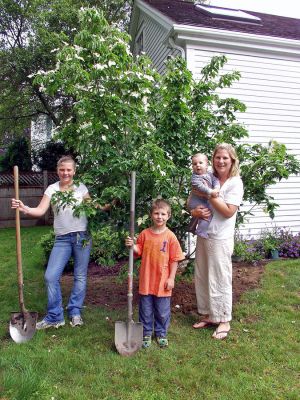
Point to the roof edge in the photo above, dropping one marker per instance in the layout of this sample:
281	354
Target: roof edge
242	40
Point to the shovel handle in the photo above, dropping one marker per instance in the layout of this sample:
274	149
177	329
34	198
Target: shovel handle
130	264
18	243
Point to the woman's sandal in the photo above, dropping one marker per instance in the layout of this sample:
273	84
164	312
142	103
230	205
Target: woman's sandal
216	332
204	323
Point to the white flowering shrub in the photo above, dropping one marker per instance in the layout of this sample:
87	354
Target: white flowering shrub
127	117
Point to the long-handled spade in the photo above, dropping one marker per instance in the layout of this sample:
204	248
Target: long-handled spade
129	335
22	324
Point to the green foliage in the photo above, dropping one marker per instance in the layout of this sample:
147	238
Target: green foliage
262	166
47	242
246	250
127	117
108	245
30	31
61	200
269	240
18	153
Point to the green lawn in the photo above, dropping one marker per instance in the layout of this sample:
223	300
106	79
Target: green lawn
260	359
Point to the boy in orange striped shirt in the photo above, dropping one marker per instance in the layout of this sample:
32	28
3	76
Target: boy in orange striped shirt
160	252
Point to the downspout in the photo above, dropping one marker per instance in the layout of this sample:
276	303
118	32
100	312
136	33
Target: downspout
175	46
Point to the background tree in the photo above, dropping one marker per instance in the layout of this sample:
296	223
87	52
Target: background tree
30	30
126	117
18	153
46	157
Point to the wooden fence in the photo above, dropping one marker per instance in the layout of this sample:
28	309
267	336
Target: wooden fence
32	186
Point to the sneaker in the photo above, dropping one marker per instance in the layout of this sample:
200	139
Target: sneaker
162	342
76	321
43	324
146	342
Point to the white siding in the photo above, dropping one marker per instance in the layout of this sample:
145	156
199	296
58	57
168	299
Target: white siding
154	35
270	88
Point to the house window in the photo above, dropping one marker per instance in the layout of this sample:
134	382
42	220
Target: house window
139	43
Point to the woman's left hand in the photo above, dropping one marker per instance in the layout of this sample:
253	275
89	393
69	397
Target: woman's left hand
201	212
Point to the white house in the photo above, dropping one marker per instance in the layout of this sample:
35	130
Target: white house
264	48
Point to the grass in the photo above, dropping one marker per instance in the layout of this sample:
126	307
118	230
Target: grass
259	360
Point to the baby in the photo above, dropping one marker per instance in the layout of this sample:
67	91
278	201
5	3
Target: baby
207	184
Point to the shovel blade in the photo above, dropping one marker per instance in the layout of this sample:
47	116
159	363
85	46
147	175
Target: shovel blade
22	327
128	337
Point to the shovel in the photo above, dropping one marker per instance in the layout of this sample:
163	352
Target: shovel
129	335
22	324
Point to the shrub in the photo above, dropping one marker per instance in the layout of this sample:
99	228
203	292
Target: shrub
269	240
47	242
18	153
246	250
108	245
290	244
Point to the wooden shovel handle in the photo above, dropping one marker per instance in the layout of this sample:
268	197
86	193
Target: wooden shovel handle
18	243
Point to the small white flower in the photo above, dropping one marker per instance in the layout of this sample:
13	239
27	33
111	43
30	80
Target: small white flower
85	125
78	48
99	66
150	78
78	57
103	137
142	220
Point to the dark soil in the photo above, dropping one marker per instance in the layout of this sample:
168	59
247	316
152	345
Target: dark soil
105	289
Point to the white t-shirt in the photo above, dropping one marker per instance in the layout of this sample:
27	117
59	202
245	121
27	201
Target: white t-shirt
64	220
231	192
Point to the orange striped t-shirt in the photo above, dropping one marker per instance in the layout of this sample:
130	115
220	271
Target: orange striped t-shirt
158	251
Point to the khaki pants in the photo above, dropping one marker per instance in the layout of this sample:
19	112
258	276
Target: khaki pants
213	278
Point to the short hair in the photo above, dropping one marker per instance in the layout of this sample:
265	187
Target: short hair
64	159
160	203
235	169
200	155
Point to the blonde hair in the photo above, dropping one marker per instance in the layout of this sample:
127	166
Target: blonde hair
235	169
160	203
64	159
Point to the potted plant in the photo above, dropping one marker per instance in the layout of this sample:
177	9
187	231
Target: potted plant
270	243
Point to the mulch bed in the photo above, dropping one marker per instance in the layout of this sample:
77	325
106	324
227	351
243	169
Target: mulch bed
106	290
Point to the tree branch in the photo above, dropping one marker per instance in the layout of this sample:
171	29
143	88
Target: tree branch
45	103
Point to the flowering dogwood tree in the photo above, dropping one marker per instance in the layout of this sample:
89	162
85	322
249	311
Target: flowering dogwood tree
127	117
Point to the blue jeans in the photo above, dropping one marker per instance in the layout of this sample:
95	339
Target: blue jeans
78	245
155	311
